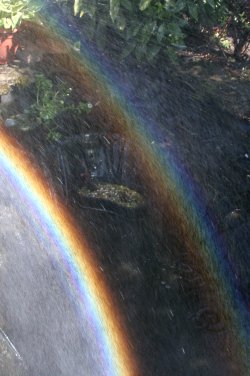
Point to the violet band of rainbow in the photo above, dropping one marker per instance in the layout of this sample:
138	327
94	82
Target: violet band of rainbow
86	280
161	172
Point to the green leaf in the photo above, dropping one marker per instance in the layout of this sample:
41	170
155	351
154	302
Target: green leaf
152	52
146	32
88	7
132	30
161	32
16	19
144	4
7	24
180	5
120	23
211	3
77	5
114	9
193	11
129	48
140	52
127	5
77	46
175	30
81	7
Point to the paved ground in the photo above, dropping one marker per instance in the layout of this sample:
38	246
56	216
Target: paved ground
41	332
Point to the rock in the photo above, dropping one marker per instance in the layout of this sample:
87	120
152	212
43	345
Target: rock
11	76
10	123
7	98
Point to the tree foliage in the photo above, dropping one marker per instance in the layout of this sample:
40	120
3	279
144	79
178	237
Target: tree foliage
147	27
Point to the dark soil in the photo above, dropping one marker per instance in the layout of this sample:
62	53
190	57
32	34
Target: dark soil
200	108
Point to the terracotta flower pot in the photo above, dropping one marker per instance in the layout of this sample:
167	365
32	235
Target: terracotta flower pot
8	46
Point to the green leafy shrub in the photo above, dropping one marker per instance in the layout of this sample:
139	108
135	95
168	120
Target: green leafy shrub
237	24
52	100
13	12
147	27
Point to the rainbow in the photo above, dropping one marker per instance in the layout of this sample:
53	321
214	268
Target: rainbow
162	177
86	278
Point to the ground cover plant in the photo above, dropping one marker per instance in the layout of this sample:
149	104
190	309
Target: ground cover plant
52	101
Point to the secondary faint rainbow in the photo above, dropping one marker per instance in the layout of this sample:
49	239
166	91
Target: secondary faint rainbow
160	170
161	173
86	277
